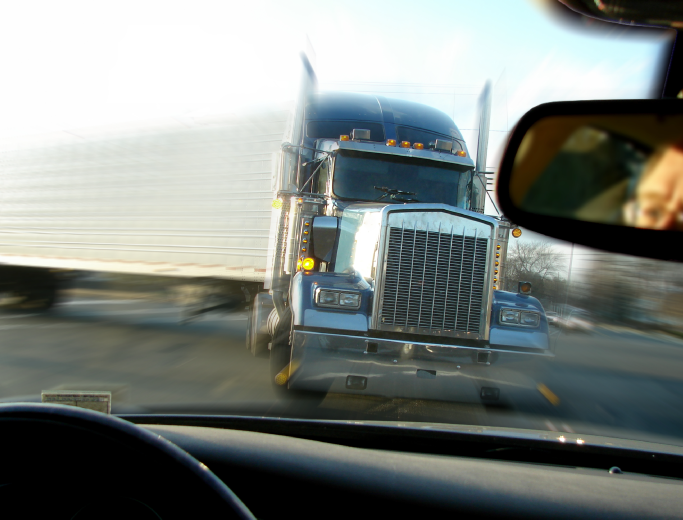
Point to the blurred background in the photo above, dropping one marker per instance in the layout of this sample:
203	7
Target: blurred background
74	70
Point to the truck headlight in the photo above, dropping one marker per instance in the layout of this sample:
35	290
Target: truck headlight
339	299
328	298
519	317
530	319
509	316
349	300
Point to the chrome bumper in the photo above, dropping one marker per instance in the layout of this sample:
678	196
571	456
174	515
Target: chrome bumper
361	365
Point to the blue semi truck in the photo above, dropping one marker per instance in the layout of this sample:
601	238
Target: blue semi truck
385	274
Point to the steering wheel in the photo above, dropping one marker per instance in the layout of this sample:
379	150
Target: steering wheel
67	462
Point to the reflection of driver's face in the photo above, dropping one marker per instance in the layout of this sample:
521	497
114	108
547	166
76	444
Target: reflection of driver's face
660	192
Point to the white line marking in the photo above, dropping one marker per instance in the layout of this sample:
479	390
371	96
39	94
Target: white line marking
100	302
136	311
36	327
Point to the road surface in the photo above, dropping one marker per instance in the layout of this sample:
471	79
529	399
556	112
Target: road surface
605	382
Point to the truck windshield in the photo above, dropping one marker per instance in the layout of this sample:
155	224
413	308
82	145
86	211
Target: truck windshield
360	175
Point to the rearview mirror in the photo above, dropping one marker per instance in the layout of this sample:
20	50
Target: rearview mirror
607	174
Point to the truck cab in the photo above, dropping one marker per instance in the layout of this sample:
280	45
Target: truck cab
391	142
392	269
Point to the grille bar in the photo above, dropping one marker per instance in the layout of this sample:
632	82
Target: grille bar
442	267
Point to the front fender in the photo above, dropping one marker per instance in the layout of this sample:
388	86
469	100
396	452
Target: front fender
307	314
517	336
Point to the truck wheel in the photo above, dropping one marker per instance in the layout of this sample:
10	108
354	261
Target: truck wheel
42	300
38	291
280	356
257	343
247	339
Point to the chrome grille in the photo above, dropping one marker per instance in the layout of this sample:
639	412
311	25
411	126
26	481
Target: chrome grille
434	280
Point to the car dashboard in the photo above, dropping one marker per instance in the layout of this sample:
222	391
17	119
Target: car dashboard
276	476
307	469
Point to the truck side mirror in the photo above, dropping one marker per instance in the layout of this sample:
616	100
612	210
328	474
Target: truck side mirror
324	236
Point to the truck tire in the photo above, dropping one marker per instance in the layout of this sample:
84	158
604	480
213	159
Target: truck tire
34	289
280	356
280	353
41	301
257	343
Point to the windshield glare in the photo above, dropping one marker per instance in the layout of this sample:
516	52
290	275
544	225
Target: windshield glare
361	176
153	207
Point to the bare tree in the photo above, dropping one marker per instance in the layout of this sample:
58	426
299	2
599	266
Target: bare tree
537	262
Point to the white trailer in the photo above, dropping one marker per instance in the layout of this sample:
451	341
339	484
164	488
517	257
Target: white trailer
171	198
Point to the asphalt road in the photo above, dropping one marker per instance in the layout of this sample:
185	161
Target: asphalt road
612	381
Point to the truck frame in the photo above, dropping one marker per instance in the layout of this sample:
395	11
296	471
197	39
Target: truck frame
396	295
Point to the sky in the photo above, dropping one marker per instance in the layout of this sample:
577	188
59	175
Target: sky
77	64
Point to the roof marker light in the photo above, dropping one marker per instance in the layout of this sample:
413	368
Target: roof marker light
419	146
461	153
344	138
308	264
391	142
443	145
405	144
360	134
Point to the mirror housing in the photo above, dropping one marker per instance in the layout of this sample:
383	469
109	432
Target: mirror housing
324	236
526	159
633	12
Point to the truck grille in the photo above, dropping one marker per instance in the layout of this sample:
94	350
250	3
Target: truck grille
434	280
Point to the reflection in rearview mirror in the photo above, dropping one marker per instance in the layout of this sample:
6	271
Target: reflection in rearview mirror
613	169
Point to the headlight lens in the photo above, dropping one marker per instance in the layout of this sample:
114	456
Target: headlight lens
509	316
349	300
328	298
530	319
331	298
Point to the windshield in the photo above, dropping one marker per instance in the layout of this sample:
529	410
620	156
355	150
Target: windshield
170	233
363	176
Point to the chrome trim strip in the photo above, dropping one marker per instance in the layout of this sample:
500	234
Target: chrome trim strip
365	339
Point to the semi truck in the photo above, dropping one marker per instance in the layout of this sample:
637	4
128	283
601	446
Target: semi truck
352	225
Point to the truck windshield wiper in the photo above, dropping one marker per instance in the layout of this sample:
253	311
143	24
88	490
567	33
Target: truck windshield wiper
393	192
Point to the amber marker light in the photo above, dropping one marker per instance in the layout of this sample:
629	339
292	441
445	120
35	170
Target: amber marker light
405	144
516	232
344	137
525	288
391	142
308	264
419	146
461	153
